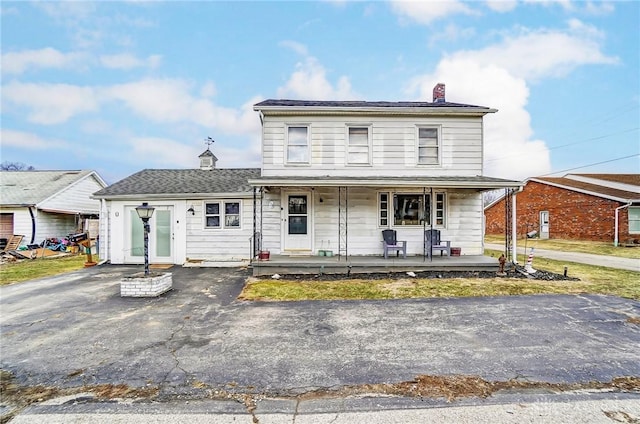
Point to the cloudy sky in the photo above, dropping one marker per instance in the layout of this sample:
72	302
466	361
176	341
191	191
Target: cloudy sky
122	86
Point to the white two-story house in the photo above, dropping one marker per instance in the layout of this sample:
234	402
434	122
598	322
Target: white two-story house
336	173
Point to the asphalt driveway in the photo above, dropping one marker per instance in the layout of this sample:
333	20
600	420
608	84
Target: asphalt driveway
76	330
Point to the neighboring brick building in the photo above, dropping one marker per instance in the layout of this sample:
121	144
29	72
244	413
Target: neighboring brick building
576	206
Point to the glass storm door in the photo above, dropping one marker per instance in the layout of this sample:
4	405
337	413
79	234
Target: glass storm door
297	223
160	236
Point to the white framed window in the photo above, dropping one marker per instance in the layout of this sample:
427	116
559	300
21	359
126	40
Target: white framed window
428	146
358	145
396	209
634	220
298	144
223	214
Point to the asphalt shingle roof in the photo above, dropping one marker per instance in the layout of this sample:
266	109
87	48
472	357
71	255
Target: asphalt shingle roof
32	187
359	104
600	190
182	181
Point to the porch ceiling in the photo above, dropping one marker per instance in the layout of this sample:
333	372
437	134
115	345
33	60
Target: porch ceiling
477	182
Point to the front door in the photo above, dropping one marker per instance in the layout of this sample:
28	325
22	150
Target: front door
297	223
544	224
160	236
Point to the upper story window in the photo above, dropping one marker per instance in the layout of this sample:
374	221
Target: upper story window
358	146
428	146
298	144
222	214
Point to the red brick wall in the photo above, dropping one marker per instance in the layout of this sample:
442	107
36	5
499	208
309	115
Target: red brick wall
572	215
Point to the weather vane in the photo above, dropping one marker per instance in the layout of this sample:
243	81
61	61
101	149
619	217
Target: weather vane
209	141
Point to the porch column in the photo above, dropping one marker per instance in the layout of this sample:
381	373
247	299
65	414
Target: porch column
514	234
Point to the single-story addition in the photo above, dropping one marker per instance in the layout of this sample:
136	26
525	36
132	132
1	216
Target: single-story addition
599	207
201	215
48	204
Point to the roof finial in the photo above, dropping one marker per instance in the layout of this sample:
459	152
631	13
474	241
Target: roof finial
209	141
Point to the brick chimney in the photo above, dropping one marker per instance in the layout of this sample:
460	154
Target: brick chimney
438	93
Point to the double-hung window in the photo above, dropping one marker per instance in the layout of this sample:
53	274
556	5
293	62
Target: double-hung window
428	146
358	146
634	220
297	144
222	214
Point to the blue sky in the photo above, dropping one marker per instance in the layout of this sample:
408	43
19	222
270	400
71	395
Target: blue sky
122	86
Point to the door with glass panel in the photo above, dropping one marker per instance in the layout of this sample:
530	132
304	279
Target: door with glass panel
160	236
297	223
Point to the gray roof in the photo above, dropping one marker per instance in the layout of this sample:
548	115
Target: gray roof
359	104
478	182
181	182
32	187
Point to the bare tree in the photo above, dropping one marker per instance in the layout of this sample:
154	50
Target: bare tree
15	166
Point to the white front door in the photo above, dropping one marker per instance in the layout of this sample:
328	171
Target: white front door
160	236
544	224
296	225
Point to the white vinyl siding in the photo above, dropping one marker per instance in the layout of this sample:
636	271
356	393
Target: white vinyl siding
393	146
358	145
297	144
428	146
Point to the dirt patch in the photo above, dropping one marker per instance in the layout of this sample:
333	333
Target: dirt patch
634	320
394	287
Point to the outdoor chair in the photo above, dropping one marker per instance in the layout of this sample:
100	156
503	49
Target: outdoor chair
390	243
433	242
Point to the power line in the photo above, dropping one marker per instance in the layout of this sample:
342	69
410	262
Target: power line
591	164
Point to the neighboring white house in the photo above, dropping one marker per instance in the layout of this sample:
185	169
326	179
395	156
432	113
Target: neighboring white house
201	215
47	204
334	174
337	173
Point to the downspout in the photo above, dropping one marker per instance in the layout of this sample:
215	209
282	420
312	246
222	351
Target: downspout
514	228
104	250
615	231
33	224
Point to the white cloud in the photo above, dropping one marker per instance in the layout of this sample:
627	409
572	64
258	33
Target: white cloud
129	61
299	48
509	150
19	62
543	53
162	152
29	141
50	103
452	33
309	81
170	100
425	12
502	5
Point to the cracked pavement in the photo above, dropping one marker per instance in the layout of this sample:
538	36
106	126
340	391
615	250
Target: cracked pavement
75	330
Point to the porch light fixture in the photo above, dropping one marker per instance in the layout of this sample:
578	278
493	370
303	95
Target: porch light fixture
145	212
191	210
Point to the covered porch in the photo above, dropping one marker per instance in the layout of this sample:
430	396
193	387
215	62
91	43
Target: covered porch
312	265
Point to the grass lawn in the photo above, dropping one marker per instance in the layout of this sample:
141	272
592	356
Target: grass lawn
593	279
594	247
15	272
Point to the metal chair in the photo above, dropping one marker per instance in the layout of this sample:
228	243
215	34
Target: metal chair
390	243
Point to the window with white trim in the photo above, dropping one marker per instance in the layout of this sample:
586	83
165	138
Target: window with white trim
411	209
634	220
298	144
222	214
358	145
428	146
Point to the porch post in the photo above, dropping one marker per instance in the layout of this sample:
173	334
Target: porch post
514	228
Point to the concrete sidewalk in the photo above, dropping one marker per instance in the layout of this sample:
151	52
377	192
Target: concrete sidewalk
581	258
370	411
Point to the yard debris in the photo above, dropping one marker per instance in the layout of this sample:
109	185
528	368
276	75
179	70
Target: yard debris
411	274
276	276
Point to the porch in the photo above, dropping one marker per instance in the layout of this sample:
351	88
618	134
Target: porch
280	264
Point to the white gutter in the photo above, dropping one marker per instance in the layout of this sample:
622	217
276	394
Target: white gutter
615	231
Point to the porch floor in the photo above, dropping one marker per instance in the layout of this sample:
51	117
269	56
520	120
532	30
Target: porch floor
280	264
